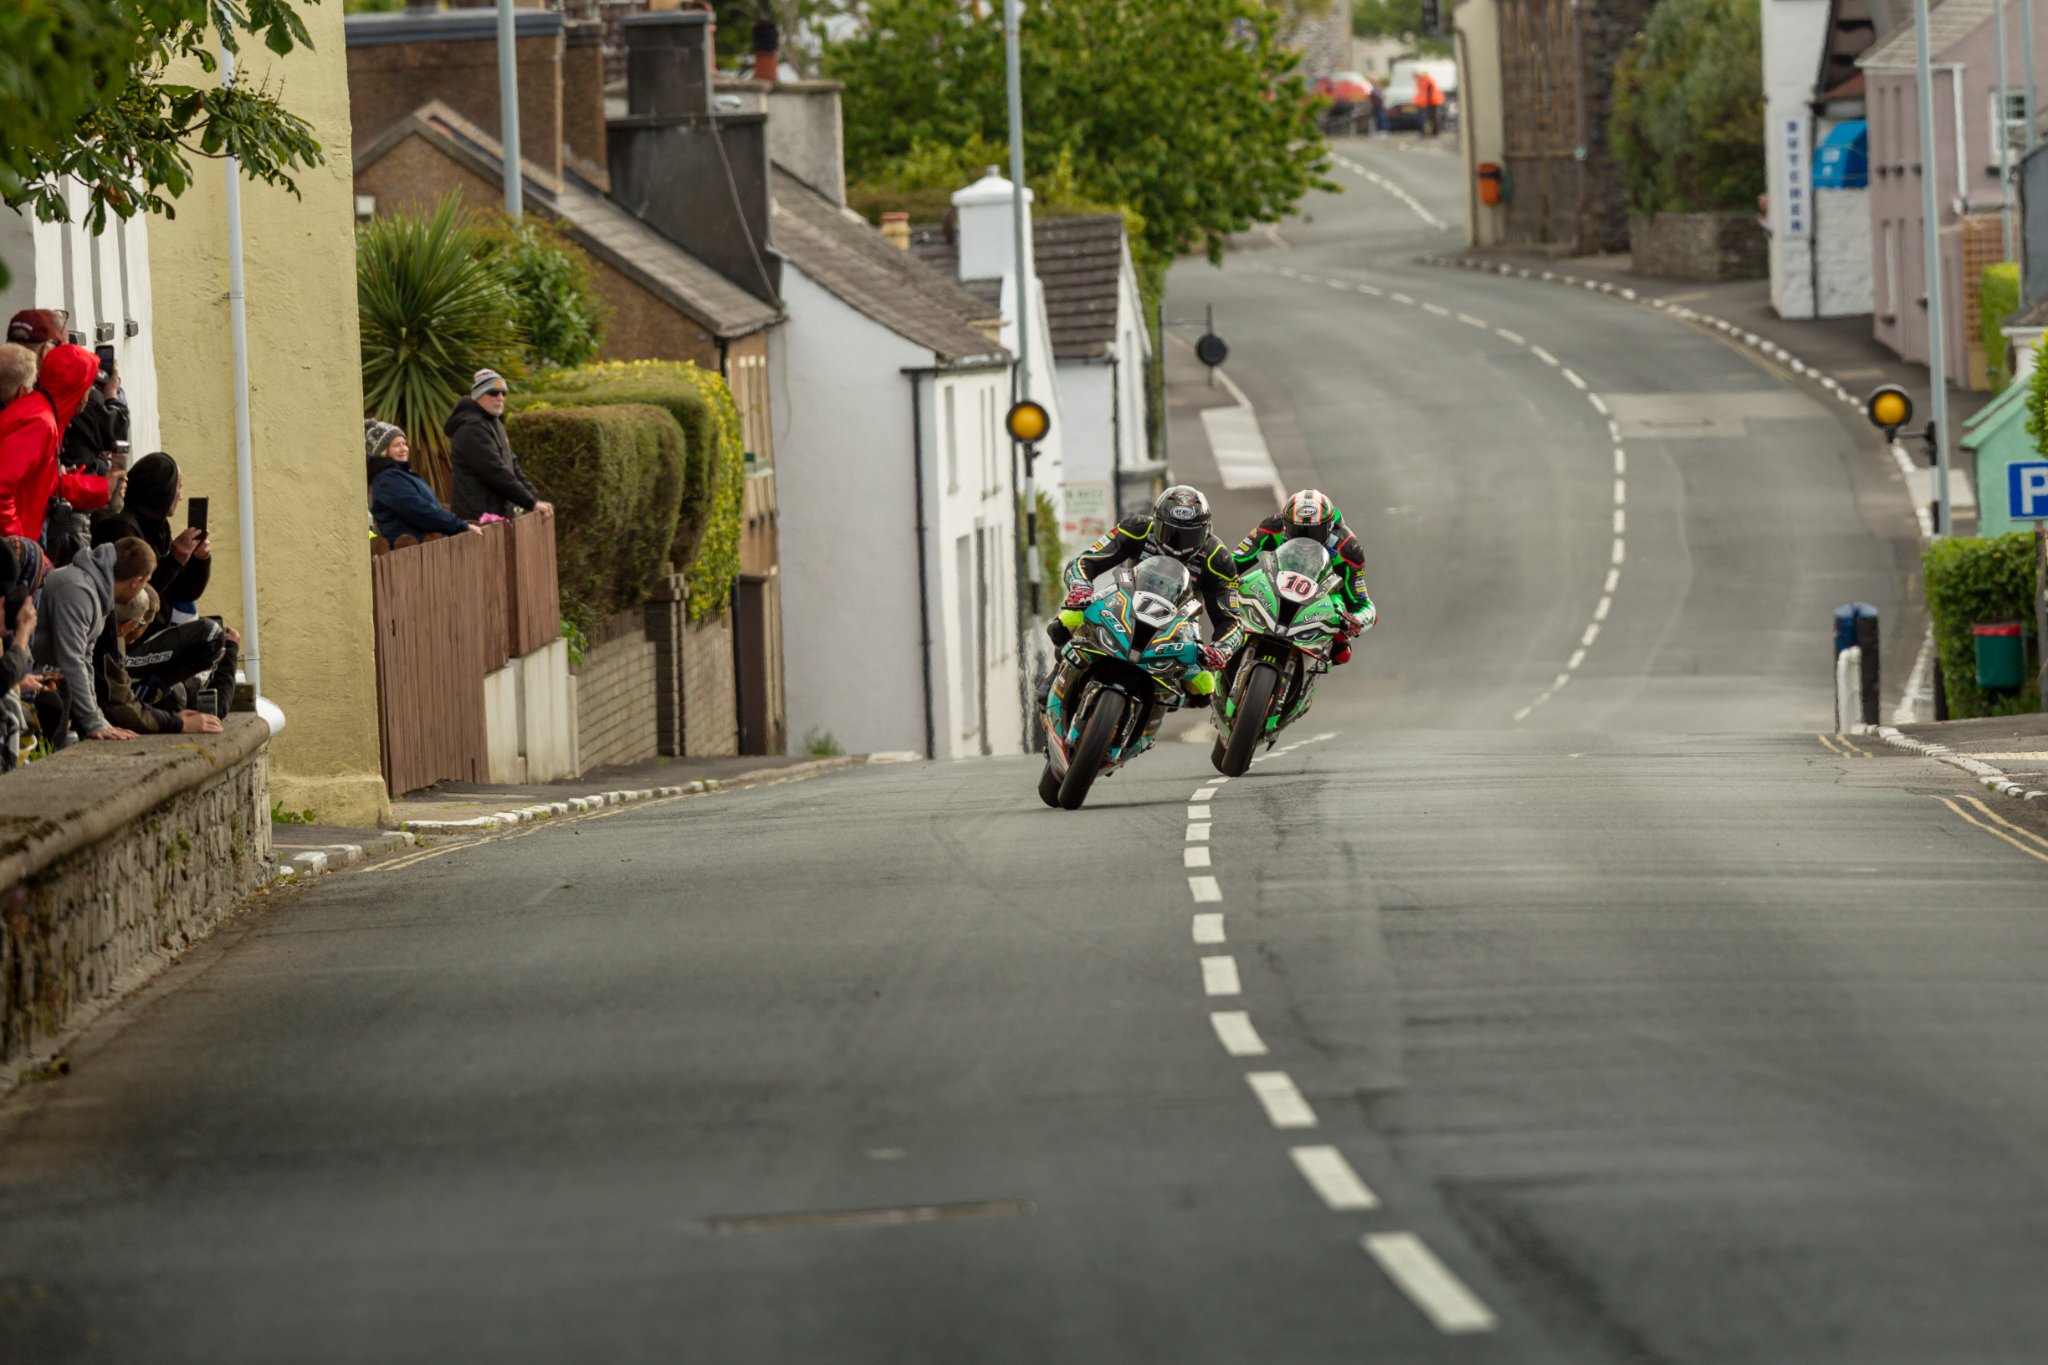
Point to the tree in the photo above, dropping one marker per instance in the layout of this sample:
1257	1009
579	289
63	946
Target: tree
560	313
84	94
1688	122
1396	19
1190	114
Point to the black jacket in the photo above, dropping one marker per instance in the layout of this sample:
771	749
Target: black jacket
117	691
488	479
146	514
1213	570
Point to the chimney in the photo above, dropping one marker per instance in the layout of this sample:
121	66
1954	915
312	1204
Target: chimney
896	227
805	135
583	130
699	178
767	39
986	235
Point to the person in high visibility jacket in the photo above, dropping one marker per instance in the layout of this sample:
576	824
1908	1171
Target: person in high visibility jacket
1429	97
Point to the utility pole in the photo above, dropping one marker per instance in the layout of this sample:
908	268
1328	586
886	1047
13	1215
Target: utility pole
1930	236
245	463
2000	129
508	107
2027	67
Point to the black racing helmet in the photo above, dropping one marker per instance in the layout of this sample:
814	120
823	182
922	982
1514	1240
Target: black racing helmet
1309	514
1180	522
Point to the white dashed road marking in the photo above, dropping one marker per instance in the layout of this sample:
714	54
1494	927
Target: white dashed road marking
1441	1296
1208	927
1331	1176
1284	1103
1194	857
1219	976
1204	889
1204	794
1198	832
1234	1030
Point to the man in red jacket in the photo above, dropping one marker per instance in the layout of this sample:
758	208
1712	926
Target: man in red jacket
31	431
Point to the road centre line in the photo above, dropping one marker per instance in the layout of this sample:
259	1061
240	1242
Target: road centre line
1606	605
1203	794
1471	321
1198	831
1219	976
1332	1178
1429	1283
1620	522
1198	812
1576	382
1543	355
1234	1030
1399	297
1620	492
1620	460
1207	927
1195	855
1283	1101
1373	290
1437	309
1513	338
1598	406
1205	890
1586	640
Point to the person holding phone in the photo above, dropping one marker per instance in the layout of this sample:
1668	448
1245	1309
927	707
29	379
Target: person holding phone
184	559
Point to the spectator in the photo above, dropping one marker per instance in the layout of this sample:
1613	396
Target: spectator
78	605
39	329
21	573
117	689
184	562
401	502
95	442
17	371
488	479
1378	99
1430	96
30	429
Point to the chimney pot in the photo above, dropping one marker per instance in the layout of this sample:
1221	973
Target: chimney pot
896	227
767	45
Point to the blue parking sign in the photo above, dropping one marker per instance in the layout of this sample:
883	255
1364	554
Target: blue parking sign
2026	487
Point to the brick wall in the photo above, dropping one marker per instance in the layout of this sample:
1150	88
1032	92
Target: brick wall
387	81
710	701
616	696
1699	246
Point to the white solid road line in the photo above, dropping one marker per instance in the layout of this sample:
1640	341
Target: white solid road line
1205	890
1195	856
1441	1296
1331	1176
1219	976
1198	832
1208	926
1234	1030
1284	1104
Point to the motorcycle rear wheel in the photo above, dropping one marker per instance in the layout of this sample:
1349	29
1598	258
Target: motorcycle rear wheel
1216	754
1049	786
1248	726
1096	736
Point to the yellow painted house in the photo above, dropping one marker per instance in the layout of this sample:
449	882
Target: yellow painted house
306	405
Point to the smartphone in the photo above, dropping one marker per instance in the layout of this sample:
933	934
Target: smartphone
195	514
105	351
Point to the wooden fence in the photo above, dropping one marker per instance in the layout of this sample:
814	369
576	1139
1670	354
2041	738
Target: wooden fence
448	611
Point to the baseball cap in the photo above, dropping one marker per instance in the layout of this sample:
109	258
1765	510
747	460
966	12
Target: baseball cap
34	327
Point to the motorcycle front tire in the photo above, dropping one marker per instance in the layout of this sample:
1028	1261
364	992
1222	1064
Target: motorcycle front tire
1248	726
1097	734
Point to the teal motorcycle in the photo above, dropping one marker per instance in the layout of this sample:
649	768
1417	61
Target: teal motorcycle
1118	676
1293	619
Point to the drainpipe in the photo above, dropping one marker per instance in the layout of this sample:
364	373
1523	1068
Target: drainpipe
1579	101
924	592
245	465
1116	440
508	108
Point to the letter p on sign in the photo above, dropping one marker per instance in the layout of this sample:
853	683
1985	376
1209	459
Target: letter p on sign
2026	487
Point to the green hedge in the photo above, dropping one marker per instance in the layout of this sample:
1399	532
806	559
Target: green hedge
1973	581
615	476
1998	298
706	538
1688	110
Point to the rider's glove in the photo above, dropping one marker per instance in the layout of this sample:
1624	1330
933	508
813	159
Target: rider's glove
1214	656
1079	596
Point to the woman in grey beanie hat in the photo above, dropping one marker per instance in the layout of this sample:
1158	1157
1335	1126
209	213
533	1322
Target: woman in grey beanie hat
401	502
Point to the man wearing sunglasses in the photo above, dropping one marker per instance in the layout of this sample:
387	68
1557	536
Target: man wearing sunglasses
488	479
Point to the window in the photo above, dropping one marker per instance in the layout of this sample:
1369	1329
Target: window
2013	127
952	440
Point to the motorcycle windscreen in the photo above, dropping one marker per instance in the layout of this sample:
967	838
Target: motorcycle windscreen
1164	581
1299	566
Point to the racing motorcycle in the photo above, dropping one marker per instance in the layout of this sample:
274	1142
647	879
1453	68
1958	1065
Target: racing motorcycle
1292	618
1118	676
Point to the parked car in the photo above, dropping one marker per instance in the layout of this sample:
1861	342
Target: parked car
1403	113
1350	96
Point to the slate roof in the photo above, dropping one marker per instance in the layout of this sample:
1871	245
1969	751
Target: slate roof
1079	260
2034	314
858	265
595	223
1948	23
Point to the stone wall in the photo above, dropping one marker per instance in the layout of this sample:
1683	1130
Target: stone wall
117	857
1699	246
616	696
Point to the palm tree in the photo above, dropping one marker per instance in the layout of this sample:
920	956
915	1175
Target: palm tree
434	311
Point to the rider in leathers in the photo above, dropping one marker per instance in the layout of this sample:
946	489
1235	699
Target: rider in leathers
1311	515
1178	525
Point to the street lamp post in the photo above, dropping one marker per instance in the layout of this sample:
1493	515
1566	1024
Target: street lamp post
508	107
1930	234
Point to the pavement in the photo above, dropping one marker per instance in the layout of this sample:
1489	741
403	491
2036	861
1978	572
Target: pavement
1550	994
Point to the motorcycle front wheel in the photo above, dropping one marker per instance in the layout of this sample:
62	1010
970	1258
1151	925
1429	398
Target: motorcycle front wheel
1248	726
1096	736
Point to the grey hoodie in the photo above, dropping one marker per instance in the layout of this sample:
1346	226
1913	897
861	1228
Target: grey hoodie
78	600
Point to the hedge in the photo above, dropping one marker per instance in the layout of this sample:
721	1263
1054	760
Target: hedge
706	539
1688	108
1998	298
615	476
1973	581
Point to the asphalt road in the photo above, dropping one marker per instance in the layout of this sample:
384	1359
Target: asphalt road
1634	1024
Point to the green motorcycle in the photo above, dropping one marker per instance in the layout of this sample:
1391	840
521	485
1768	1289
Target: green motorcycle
1293	619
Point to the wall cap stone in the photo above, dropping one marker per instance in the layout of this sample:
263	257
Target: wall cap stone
70	801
